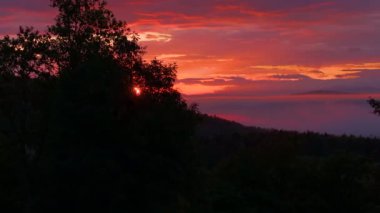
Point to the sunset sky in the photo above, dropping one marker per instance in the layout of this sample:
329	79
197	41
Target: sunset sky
294	64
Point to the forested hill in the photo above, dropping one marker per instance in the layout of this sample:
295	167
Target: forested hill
229	137
261	170
210	126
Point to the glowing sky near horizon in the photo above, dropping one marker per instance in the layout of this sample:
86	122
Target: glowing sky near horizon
256	51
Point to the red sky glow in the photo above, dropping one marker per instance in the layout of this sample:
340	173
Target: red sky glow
236	57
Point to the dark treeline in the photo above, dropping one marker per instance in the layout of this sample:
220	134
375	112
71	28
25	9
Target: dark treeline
258	170
75	136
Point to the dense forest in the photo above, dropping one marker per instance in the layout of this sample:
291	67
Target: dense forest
86	124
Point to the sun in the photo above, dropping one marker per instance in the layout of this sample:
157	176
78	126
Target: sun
137	91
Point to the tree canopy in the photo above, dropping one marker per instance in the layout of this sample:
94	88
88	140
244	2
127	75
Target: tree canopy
71	118
83	30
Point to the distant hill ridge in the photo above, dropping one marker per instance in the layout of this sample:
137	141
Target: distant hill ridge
216	133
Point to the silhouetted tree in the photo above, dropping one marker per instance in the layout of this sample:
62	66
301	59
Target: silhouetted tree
81	138
375	105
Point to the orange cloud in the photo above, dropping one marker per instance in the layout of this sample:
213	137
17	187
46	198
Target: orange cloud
155	36
199	89
321	72
170	56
